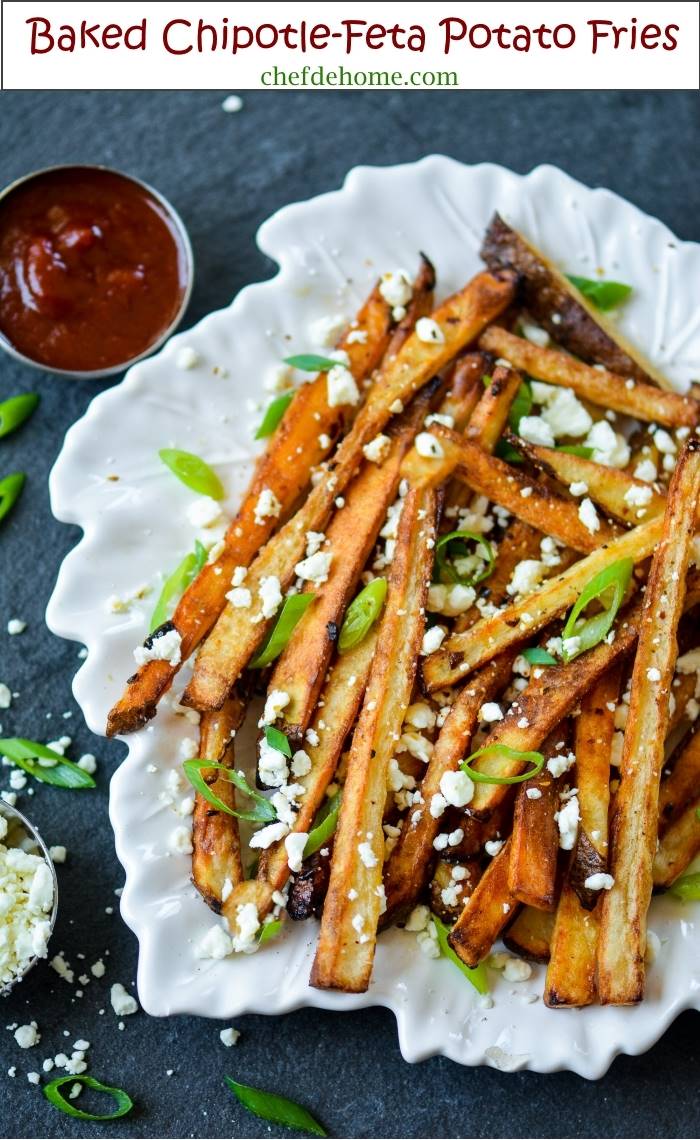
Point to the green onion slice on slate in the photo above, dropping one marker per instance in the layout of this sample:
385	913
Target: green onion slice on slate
604	295
10	490
361	614
193	472
177	583
277	1109
52	1092
609	587
291	613
16	410
273	415
324	825
262	812
476	975
63	773
452	548
309	362
535	759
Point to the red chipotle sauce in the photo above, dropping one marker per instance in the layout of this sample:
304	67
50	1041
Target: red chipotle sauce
92	269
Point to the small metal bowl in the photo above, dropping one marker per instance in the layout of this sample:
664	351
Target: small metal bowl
186	248
16	820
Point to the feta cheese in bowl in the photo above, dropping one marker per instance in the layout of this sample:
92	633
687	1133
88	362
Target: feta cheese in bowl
28	897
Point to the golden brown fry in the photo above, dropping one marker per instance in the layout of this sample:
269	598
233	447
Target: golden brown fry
643	401
235	637
443	887
682	784
679	846
594	730
408	866
566	314
530	934
491	413
347	939
341	701
606	486
553	691
420	305
534	847
464	652
216	855
284	468
488	909
351	535
635	816
571	974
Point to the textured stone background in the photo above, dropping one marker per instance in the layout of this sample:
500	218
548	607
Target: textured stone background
226	173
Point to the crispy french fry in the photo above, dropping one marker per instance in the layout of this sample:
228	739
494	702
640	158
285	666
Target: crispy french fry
594	729
571	973
216	844
297	446
643	401
447	896
235	637
635	816
351	535
566	314
488	909
466	379
308	888
464	652
420	305
608	487
347	939
681	786
679	846
341	701
408	866
530	934
491	413
534	846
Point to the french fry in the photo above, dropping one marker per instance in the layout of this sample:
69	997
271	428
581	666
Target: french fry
606	486
408	867
635	816
351	535
464	652
420	305
534	846
443	887
681	786
679	846
643	401
347	940
571	973
235	637
530	935
308	888
548	698
341	701
565	313
491	413
466	378
489	908
297	446
594	730
216	844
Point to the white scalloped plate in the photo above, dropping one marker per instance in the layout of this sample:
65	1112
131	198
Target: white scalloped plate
329	250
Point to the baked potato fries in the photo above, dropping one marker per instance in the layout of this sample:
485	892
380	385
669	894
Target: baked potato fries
464	579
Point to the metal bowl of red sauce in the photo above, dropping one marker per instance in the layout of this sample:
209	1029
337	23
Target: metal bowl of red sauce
96	270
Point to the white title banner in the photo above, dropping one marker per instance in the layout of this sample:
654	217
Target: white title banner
350	46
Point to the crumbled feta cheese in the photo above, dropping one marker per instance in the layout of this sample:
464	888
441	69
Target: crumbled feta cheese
160	647
325	331
664	442
429	331
203	512
428	446
609	447
638	496
27	1036
26	900
561	763
396	288
533	794
567	820
267	506
570	645
689	662
599	882
565	415
515	970
341	387
270	596
247	925
277	700
418	919
432	640
438	805
58	854
186	358
123	1003
181	840
215	944
493	846
278	378
15	626
420	715
240	598
416	745
5	696
589	516
653	674
457	788
645	470
490	712
367	856
526	576
229	1037
536	430
377	449
268	835
294	846
301	763
357	336
578	489
534	333
450	600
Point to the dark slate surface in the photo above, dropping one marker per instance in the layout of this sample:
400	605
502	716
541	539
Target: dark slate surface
226	173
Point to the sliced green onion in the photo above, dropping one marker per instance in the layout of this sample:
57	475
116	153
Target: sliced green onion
697	813
16	410
177	583
605	295
476	975
444	568
193	472
324	825
687	888
277	739
536	759
269	930
576	449
262	812
521	406
361	614
506	451
278	1109
10	491
273	415
52	1092
538	656
309	362
26	755
612	581
291	613
487	380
